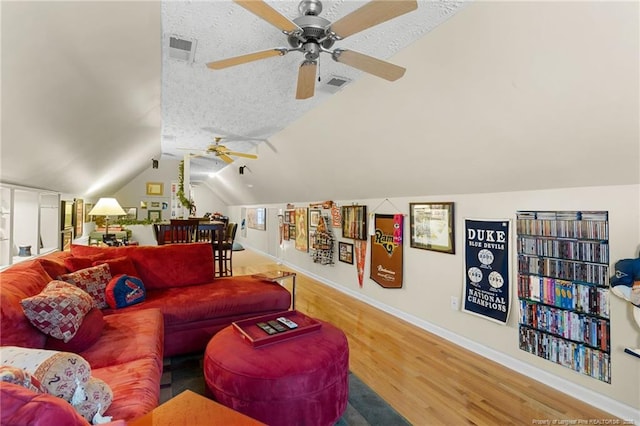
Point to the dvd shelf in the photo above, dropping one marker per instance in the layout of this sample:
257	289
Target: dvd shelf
563	288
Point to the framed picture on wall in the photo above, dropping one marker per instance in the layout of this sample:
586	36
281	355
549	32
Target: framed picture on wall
345	252
302	229
354	222
432	226
154	215
87	209
314	217
257	218
78	217
155	188
132	212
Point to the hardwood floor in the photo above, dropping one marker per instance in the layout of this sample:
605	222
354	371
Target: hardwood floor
427	379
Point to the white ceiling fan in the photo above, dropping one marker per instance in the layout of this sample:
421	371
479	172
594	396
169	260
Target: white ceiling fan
312	35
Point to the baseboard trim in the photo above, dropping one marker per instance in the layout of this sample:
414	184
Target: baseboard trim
595	399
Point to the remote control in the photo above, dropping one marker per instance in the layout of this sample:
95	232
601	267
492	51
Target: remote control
275	324
266	328
287	322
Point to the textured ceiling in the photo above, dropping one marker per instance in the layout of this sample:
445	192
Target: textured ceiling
257	99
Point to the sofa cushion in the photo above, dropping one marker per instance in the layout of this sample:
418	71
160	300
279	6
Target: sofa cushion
16	283
54	267
58	310
76	263
172	265
119	265
93	280
124	290
140	332
135	386
89	332
63	374
20	377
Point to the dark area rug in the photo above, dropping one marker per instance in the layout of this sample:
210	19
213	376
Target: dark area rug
365	407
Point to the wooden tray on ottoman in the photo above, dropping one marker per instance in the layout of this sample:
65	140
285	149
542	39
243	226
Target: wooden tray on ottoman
255	336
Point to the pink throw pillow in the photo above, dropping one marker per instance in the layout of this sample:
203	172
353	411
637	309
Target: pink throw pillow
93	280
58	310
89	332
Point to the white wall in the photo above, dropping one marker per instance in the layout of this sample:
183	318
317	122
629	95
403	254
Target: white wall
431	278
136	191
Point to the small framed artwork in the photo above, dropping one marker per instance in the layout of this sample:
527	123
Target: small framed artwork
354	222
257	218
87	209
155	204
432	226
78	217
302	229
292	231
285	233
288	216
345	252
65	241
132	212
154	215
155	188
314	217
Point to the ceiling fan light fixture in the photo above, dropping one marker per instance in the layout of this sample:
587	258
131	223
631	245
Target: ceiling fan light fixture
310	7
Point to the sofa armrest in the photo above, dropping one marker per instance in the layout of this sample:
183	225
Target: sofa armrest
21	406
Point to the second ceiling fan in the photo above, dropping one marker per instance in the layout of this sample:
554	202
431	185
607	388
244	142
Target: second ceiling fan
223	152
313	35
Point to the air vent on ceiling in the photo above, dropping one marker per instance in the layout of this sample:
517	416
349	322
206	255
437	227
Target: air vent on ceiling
182	49
334	83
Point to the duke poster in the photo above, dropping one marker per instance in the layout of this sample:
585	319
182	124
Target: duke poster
487	280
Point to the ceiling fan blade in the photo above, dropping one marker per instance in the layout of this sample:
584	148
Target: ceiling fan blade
369	64
269	14
306	80
243	59
242	154
225	158
373	13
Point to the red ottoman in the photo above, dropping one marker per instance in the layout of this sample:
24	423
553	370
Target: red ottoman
298	382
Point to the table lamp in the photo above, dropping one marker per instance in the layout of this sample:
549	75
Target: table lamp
107	207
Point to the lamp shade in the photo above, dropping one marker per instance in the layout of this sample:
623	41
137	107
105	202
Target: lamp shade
107	207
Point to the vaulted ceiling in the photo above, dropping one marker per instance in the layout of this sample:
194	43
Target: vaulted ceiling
498	96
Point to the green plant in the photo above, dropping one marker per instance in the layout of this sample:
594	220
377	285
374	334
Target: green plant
186	203
129	221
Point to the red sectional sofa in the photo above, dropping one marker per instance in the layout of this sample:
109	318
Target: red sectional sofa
183	308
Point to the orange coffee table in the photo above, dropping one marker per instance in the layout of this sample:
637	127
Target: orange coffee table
192	409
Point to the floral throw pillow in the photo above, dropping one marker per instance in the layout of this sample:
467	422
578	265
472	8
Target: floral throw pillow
98	397
93	280
63	374
58	310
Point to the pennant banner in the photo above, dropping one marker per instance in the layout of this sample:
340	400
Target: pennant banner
386	252
487	290
361	255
